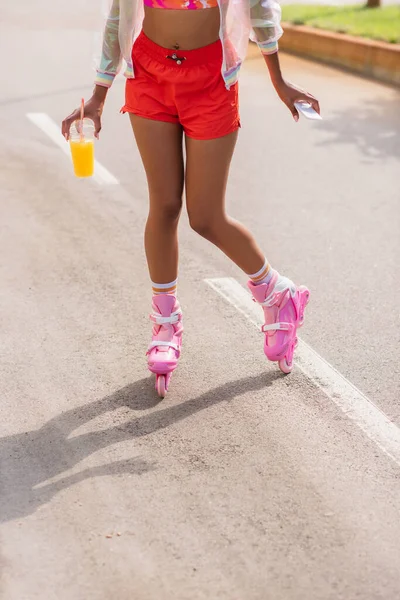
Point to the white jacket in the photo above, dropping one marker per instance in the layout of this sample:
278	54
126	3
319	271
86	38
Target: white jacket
240	19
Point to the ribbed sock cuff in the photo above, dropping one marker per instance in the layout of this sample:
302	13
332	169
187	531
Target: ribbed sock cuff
165	288
264	275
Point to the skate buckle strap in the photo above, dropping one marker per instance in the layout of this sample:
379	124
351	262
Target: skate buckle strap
277	327
276	298
175	317
165	344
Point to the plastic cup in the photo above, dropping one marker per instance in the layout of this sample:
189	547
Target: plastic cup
82	147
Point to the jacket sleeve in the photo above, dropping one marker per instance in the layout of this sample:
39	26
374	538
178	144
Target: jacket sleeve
111	57
265	17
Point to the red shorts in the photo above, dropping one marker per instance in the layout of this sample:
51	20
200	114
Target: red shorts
186	88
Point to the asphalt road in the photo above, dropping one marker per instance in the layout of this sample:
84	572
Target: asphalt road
242	484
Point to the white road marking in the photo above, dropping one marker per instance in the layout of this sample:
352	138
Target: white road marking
375	424
47	125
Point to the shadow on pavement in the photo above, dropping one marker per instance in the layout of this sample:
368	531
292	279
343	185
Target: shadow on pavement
373	127
29	459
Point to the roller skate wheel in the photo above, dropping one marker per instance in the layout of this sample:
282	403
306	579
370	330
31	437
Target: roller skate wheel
161	386
285	367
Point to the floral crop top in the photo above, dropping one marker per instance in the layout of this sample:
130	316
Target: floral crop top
181	4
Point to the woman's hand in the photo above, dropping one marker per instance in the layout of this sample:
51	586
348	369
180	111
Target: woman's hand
289	94
93	111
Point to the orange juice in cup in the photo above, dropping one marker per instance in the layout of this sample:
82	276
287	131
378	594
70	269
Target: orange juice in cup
82	147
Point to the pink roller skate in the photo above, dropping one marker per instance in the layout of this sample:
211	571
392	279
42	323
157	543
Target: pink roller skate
165	348
283	303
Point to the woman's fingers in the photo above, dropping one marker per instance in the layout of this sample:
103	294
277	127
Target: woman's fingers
66	124
90	112
315	105
294	111
311	100
97	126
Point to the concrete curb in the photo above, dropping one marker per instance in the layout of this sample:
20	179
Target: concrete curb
378	60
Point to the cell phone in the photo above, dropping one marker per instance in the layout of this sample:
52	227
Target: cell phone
307	110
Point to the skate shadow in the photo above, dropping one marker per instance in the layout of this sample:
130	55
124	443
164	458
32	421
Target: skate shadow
373	127
30	459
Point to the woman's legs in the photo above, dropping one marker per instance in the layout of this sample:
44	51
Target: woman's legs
283	302
160	146
207	168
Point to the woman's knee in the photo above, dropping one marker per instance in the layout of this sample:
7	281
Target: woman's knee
166	208
208	226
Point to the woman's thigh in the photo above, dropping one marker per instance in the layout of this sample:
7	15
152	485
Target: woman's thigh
160	147
207	170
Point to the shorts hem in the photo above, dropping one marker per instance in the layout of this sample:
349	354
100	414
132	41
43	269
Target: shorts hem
131	111
204	138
